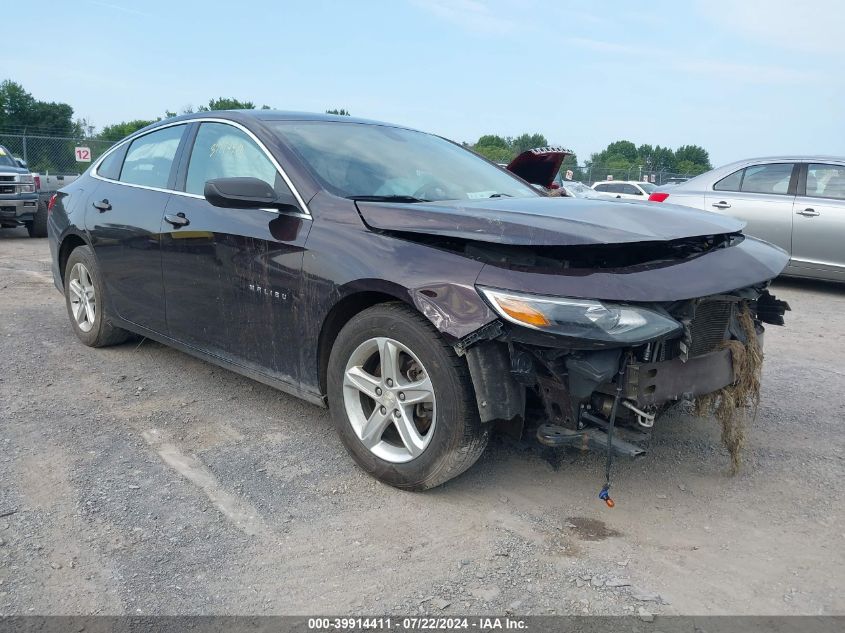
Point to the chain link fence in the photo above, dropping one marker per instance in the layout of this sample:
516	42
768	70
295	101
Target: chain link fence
589	174
55	154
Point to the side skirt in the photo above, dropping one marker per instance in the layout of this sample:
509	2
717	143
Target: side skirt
270	381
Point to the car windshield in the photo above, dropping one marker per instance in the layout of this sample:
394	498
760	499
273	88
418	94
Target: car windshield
648	187
576	188
378	162
6	159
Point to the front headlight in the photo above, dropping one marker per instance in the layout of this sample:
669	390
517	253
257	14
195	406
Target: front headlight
26	178
581	318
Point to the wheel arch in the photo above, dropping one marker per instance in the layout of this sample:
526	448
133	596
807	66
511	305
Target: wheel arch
339	315
69	243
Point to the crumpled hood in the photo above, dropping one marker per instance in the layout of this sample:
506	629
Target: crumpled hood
546	221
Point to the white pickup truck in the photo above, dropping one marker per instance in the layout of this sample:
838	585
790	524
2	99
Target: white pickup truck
19	202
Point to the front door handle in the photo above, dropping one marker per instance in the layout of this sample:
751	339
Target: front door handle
808	212
721	205
177	220
102	206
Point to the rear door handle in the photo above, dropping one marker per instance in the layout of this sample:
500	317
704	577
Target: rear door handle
721	205
808	212
103	205
177	220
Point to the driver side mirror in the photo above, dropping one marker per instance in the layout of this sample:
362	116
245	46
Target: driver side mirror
246	193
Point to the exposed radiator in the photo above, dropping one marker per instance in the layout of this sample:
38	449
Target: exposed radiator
709	326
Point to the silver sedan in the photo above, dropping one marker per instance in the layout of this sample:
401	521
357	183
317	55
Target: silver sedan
795	202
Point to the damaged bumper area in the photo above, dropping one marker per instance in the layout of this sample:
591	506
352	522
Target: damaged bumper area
568	389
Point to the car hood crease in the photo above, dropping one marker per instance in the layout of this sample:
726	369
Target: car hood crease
546	221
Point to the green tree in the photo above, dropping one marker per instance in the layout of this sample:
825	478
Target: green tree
502	149
692	154
492	140
494	148
229	103
117	131
525	142
689	168
622	149
20	111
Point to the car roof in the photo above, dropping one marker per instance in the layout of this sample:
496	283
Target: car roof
797	157
723	170
274	115
785	158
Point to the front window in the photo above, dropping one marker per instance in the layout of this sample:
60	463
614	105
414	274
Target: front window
648	187
224	151
354	160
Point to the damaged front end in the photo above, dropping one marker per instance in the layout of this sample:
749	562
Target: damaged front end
561	371
608	313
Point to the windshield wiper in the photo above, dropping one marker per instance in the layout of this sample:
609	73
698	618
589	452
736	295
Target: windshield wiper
387	199
500	195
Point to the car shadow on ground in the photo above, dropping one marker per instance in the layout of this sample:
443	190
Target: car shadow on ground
19	233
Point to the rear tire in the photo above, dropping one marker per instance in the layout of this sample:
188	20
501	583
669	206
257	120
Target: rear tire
38	227
85	301
447	436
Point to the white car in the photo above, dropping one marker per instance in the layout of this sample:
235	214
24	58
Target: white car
625	189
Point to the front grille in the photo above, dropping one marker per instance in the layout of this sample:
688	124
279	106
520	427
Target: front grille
709	326
7	179
7	189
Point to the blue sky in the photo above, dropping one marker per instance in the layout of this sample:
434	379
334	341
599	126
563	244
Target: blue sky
741	78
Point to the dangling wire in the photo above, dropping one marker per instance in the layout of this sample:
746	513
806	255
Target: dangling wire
604	495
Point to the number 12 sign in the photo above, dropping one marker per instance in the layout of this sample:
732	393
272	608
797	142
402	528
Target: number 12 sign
83	154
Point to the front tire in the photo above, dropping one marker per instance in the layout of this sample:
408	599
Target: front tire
402	401
84	298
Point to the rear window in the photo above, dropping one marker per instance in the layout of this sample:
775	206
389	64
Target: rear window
149	158
730	183
773	178
110	167
826	181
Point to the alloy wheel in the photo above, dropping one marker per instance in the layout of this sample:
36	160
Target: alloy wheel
83	298
389	400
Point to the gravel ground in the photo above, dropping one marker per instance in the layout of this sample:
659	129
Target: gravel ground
137	479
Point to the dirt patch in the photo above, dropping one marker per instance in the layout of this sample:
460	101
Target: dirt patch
591	529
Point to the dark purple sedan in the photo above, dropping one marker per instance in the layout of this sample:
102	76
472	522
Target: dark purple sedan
424	294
